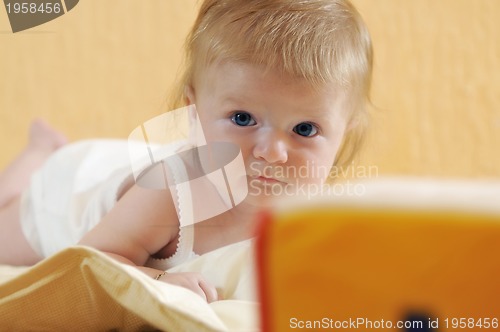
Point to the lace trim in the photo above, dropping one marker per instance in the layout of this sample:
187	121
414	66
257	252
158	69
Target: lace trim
182	254
184	250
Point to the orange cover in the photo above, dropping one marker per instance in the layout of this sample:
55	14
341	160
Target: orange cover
376	269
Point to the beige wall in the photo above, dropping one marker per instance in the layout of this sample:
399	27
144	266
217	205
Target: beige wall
436	87
100	70
106	66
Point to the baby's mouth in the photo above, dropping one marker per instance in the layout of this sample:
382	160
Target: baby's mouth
267	180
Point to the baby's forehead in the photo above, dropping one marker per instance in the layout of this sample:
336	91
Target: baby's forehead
242	81
246	70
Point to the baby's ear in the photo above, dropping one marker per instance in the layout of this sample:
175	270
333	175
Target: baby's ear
196	135
189	93
352	123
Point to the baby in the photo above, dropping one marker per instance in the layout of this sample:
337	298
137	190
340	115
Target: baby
286	81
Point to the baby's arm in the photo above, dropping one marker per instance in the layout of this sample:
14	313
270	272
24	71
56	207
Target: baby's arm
142	222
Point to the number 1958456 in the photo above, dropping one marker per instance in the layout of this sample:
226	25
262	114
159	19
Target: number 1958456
33	8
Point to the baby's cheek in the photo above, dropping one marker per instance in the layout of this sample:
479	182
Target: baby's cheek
313	172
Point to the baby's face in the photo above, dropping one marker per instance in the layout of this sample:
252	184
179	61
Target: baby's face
288	132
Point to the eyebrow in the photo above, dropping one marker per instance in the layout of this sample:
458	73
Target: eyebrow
232	99
320	113
312	114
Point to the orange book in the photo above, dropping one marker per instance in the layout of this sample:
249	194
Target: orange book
379	269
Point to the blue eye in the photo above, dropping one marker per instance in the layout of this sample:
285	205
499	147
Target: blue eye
243	119
305	129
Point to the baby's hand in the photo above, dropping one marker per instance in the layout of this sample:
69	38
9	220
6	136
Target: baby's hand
193	281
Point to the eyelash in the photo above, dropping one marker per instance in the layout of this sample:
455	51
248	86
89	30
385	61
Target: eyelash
235	115
314	127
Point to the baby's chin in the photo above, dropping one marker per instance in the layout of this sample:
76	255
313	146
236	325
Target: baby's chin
277	193
268	196
263	203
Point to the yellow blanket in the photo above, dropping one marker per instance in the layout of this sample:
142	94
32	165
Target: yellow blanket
81	289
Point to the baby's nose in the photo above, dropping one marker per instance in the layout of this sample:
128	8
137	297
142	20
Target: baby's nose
272	148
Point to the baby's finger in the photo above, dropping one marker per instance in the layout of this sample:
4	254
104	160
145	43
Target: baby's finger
209	290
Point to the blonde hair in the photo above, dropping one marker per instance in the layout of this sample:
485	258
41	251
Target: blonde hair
324	42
